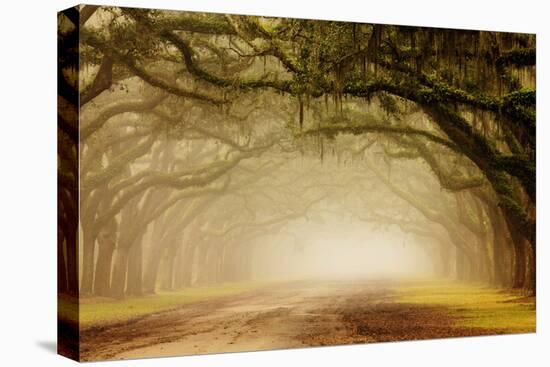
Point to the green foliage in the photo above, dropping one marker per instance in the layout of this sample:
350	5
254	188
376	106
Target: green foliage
518	57
520	104
521	98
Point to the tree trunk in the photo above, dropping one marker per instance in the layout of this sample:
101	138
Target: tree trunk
135	269
230	259
501	253
179	270
202	271
88	249
485	268
102	282
519	265
120	268
168	276
151	271
71	252
62	285
530	277
213	263
445	260
187	272
218	278
461	271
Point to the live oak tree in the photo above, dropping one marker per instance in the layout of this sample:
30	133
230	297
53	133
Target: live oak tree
196	130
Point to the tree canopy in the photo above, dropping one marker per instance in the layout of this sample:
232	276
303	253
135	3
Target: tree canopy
187	140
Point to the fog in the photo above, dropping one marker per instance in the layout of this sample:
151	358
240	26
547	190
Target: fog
346	248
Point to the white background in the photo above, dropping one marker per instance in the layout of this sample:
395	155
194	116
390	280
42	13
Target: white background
28	182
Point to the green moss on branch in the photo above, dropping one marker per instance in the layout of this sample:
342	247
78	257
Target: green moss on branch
518	57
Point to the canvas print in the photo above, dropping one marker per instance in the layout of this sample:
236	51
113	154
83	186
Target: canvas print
242	183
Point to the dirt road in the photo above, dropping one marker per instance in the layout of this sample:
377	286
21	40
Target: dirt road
289	315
